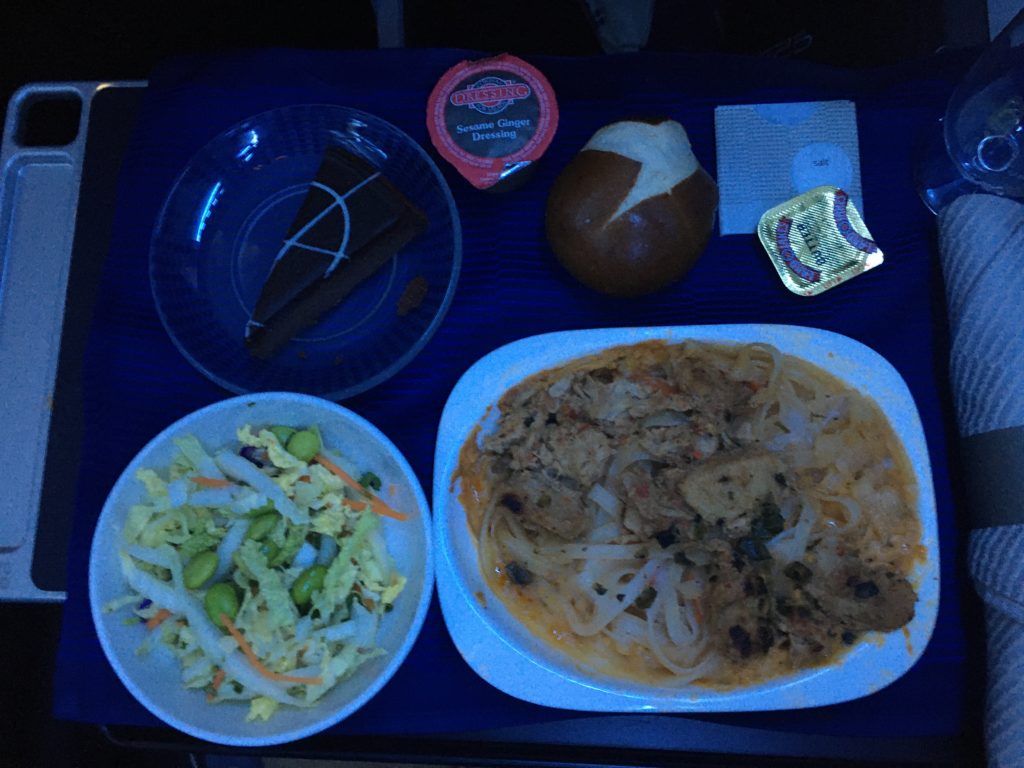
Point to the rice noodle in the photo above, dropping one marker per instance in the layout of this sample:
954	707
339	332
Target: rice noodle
605	499
625	458
560	387
605	533
610	605
790	545
679	633
776	371
625	632
684	673
691	590
607	573
600	552
664	419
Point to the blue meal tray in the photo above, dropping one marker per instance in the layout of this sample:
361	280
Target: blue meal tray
134	381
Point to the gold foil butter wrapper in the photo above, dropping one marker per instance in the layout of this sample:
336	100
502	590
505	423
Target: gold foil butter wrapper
818	240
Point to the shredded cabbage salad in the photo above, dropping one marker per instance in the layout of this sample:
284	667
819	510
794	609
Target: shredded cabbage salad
261	567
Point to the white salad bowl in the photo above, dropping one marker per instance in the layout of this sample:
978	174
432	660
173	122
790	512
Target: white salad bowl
155	677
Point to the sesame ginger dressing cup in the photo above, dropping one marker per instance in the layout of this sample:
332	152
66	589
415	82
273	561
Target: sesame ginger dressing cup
492	119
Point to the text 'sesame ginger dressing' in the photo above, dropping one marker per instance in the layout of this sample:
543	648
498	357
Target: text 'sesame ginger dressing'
492	119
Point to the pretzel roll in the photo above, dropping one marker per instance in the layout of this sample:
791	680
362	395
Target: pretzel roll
633	211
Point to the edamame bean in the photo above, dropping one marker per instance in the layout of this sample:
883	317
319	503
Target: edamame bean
199	569
304	445
220	599
262	525
262	510
309	581
282	433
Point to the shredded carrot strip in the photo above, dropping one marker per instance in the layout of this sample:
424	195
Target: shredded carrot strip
335	469
217	680
698	614
210	482
376	504
254	660
158	618
305	479
384	510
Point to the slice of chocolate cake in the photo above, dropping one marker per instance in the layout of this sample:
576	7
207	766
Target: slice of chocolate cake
352	221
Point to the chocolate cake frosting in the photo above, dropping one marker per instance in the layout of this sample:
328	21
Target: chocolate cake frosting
352	221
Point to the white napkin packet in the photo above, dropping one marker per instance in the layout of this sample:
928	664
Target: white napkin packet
769	153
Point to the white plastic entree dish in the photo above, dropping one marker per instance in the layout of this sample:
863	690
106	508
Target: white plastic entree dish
507	655
155	679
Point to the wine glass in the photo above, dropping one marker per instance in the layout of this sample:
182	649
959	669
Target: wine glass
981	147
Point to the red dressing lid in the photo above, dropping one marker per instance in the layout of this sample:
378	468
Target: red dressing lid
492	118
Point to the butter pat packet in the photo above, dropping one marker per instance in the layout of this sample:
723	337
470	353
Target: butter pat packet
772	152
818	240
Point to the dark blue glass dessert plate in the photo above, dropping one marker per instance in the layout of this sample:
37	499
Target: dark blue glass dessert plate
224	221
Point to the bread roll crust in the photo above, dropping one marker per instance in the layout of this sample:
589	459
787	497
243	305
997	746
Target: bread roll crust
644	248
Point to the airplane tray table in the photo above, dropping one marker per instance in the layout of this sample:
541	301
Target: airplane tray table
133	382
